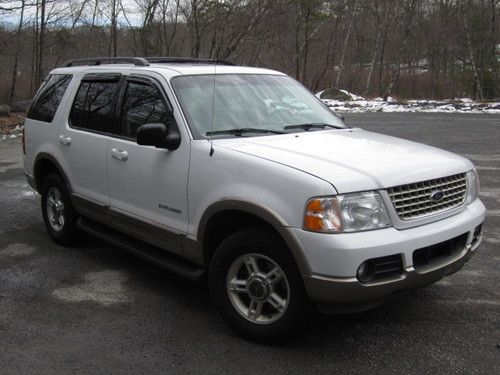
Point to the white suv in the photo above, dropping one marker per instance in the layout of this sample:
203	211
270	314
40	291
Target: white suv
242	172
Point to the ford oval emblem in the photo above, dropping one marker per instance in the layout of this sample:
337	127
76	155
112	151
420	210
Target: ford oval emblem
437	195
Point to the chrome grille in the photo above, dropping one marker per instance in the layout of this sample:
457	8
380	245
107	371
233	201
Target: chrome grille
412	201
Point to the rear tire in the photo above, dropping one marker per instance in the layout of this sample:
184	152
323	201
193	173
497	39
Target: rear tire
256	286
58	213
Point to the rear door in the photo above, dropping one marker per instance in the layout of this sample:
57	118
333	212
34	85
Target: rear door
85	139
148	185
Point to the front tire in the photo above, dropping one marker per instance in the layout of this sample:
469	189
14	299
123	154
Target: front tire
58	213
257	287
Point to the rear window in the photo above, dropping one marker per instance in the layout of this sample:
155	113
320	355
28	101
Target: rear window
49	97
93	107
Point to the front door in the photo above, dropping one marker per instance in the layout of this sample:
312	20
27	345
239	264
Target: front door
148	185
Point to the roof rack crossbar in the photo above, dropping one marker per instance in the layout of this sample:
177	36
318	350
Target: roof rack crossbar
186	60
138	61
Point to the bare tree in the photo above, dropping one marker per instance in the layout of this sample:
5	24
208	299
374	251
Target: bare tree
479	90
409	10
379	27
18	50
346	41
113	40
195	15
421	48
39	42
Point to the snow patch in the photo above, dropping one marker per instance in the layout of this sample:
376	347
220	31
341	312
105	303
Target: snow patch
28	193
353	96
359	104
464	100
14	133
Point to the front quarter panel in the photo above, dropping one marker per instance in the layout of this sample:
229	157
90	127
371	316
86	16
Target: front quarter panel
231	175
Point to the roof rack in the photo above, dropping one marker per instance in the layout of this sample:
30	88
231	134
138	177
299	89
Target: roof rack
143	61
185	60
138	61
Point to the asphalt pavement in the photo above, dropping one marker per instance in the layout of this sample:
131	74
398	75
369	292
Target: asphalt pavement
94	309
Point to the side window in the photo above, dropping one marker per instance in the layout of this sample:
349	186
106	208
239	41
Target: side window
77	116
93	106
49	97
143	104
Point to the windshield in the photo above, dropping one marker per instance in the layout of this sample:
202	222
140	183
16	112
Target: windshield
249	101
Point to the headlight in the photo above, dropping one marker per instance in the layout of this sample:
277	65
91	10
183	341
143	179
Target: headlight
346	213
472	186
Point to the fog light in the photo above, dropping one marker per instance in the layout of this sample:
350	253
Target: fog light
364	272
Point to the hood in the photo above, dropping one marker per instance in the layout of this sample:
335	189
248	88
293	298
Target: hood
353	159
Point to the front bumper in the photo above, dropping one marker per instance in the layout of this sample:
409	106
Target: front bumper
334	259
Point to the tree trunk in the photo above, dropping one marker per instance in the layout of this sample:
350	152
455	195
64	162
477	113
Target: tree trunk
381	60
346	41
34	54
402	48
41	44
16	57
329	56
78	14
493	46
195	29
372	66
479	90
130	27
146	28
305	52
297	47
114	32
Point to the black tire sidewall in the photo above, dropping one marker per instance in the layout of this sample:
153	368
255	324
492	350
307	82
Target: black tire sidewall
268	244
68	232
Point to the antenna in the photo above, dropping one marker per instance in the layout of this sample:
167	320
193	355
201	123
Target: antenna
215	73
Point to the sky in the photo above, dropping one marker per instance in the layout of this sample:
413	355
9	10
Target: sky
11	18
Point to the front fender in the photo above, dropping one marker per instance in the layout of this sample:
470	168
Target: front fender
263	213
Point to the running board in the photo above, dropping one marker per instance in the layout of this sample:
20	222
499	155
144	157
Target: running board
151	253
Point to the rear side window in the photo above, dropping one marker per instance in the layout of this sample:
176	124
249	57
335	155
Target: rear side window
93	107
49	97
143	104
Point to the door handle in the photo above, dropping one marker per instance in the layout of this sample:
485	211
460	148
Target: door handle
65	140
119	154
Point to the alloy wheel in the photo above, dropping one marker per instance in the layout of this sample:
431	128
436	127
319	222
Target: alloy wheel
258	288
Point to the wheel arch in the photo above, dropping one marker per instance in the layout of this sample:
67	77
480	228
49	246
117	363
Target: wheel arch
226	216
43	165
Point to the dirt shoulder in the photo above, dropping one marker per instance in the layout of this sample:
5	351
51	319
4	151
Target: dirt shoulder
9	123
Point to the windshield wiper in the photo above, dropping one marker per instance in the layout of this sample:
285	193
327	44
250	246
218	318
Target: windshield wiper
242	131
312	125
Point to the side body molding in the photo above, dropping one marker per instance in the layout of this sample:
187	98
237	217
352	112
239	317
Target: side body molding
262	213
193	249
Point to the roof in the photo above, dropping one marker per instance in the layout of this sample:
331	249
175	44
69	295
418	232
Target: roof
168	69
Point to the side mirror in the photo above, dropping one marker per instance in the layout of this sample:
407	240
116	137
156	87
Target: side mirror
156	135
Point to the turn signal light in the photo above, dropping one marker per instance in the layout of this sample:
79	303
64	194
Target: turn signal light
321	215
